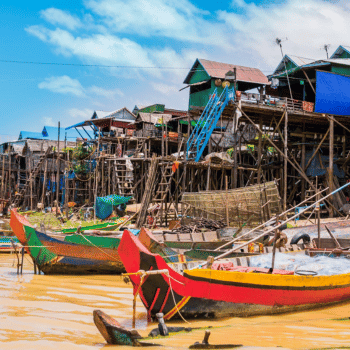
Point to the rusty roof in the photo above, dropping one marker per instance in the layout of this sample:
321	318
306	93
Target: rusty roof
219	70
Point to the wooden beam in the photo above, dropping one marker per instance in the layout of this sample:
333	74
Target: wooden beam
312	87
317	149
331	154
285	175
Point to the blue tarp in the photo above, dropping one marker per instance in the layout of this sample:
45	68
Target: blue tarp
104	205
332	93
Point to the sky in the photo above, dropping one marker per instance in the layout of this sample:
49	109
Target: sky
61	60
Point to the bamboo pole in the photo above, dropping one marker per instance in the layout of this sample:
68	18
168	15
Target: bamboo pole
58	168
295	166
330	173
285	176
269	221
277	226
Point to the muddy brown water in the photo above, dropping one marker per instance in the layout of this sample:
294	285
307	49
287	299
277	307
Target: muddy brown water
55	312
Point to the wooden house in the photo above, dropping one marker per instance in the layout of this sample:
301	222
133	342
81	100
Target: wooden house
206	76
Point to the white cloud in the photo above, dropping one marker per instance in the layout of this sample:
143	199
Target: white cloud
110	94
165	88
308	25
83	114
59	17
175	19
68	86
63	85
48	121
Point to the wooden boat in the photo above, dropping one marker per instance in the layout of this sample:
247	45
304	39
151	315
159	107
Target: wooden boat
196	240
153	245
17	222
150	241
114	333
53	256
90	240
105	226
225	289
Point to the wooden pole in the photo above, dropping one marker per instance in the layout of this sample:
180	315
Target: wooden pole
259	151
296	166
3	176
240	246
58	168
285	176
277	235
226	203
331	155
303	160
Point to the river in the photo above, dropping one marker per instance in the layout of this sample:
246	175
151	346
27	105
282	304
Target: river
55	312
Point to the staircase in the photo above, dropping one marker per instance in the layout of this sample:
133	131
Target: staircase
22	192
206	123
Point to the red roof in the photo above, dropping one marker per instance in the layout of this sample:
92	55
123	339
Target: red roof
247	74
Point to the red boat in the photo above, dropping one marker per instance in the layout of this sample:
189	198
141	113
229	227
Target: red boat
224	290
17	223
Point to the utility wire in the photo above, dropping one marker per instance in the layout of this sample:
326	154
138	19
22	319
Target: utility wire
117	66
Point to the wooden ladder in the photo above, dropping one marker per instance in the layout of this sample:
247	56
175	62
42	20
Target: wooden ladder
160	197
125	185
140	147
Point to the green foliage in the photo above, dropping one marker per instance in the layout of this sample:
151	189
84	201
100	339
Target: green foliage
81	152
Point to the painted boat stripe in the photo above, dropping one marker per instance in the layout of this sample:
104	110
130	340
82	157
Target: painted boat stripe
177	307
269	281
165	300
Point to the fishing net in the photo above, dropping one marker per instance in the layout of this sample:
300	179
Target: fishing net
322	265
104	205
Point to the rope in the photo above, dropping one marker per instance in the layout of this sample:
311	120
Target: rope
172	293
144	273
113	258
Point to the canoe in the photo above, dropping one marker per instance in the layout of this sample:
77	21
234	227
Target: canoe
225	290
154	246
196	240
104	226
53	256
114	332
89	240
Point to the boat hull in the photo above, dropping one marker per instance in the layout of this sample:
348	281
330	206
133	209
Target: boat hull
217	293
58	257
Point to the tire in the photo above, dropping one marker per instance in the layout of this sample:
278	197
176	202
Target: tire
297	237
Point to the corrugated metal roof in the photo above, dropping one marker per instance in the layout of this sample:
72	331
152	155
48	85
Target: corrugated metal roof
30	135
246	74
154	118
51	133
339	51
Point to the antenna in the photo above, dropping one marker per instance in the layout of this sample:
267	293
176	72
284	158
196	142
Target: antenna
326	47
279	43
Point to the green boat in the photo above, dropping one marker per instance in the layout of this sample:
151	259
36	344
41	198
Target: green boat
98	241
105	226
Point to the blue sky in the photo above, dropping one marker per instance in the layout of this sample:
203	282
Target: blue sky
160	37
